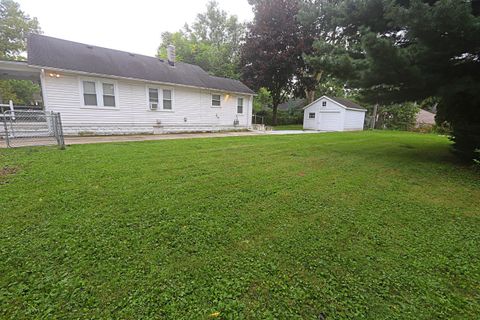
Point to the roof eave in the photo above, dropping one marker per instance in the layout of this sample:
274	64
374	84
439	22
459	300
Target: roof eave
136	79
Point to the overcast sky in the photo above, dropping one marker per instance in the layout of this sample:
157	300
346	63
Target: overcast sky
133	26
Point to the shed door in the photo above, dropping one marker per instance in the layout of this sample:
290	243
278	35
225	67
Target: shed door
330	121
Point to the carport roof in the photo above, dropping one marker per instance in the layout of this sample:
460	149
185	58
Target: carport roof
18	70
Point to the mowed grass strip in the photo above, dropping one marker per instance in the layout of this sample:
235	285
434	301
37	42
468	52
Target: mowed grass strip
335	225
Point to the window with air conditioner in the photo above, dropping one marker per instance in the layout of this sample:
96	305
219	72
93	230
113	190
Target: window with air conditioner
153	98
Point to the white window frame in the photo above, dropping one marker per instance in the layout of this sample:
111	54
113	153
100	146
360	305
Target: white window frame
310	115
243	106
211	100
99	92
160	98
324	103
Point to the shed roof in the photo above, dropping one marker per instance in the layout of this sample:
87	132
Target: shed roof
48	52
347	103
341	101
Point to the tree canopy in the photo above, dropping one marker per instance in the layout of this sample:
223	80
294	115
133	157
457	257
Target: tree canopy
211	42
15	25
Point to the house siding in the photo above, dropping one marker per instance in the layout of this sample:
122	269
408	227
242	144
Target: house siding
191	111
354	120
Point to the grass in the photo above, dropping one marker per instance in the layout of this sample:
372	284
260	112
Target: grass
289	127
338	225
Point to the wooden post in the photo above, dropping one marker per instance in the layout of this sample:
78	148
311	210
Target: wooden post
374	117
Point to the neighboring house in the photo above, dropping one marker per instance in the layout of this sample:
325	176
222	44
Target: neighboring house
333	114
425	118
105	91
293	104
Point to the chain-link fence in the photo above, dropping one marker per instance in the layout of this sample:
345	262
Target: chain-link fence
31	128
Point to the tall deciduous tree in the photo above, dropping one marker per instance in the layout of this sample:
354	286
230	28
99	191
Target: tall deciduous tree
272	49
15	25
212	42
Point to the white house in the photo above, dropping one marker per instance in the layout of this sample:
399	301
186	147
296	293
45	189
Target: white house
333	114
105	91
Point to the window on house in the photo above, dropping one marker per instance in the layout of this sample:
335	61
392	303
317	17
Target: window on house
216	100
108	94
153	98
324	103
311	115
240	105
89	93
167	99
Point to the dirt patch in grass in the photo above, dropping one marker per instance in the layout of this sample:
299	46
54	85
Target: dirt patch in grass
7	171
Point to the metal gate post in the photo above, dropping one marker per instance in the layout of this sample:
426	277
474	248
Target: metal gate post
7	140
61	140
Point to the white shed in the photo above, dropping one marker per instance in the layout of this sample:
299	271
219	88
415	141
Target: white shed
333	114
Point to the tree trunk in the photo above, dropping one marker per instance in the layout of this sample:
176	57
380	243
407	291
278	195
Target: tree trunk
310	93
274	117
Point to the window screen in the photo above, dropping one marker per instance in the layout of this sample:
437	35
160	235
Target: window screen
89	93
215	100
167	99
108	95
240	105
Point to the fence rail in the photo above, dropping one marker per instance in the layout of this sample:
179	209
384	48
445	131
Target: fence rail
31	128
257	119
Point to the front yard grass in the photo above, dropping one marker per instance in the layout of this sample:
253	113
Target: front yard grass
322	226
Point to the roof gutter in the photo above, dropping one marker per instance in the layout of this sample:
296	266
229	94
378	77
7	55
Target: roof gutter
137	79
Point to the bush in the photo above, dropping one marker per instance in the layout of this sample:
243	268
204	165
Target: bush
443	128
397	116
476	159
283	117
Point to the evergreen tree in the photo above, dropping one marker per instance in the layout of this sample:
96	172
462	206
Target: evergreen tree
401	50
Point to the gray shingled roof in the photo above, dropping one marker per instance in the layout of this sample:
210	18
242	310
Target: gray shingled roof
347	103
56	53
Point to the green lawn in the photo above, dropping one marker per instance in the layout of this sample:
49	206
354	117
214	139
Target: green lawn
289	127
338	225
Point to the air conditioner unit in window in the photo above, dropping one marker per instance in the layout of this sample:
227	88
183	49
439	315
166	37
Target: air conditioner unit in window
153	106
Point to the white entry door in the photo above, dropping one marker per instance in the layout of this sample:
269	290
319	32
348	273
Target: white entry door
330	121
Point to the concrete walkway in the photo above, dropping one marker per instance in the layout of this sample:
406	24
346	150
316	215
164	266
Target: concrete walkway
126	138
147	137
172	136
